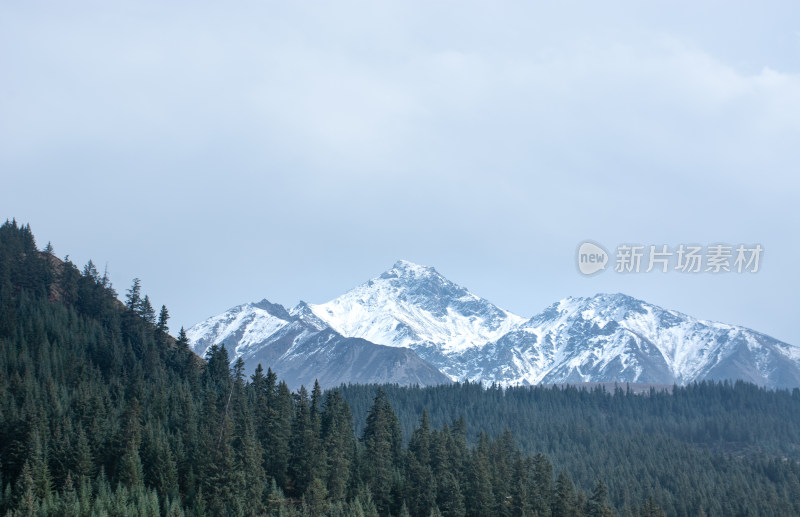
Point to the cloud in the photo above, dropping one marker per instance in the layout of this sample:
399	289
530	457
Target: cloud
368	128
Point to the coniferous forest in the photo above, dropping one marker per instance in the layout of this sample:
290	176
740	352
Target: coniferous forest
102	412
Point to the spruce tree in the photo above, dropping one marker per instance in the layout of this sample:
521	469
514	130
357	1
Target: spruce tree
146	310
163	317
542	485
565	503
480	496
133	298
598	502
338	443
420	482
382	450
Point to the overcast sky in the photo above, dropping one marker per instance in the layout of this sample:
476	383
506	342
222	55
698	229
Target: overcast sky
229	152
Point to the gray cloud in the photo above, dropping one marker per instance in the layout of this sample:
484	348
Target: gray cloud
279	150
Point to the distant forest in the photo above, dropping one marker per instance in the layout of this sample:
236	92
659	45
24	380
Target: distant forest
713	448
103	412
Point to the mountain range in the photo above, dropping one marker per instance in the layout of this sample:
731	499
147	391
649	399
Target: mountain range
411	325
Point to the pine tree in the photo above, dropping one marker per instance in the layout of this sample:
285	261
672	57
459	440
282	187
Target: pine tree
480	496
520	489
146	311
651	509
319	462
542	485
565	502
133	298
69	505
382	450
82	461
315	498
277	430
163	317
248	449
28	502
130	464
183	339
420	482
301	462
598	502
450	500
338	443
40	471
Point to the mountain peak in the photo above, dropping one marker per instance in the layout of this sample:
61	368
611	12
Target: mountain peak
414	306
604	337
407	269
615	297
274	309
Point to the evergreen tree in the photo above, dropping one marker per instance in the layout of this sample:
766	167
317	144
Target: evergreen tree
129	439
650	509
338	443
277	429
146	311
133	298
480	496
183	339
598	502
565	502
163	317
541	486
450	500
102	415
301	462
382	450
520	489
420	483
248	449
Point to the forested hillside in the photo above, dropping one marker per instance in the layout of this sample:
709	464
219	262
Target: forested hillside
717	448
103	413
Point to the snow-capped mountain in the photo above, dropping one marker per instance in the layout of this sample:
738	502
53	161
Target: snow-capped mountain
242	328
614	337
412	325
302	349
414	306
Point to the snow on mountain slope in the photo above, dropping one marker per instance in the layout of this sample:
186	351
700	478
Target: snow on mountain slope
618	338
245	325
301	349
604	338
414	306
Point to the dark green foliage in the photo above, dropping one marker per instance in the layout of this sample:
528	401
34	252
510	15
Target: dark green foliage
420	482
382	443
103	413
480	493
565	500
304	446
339	445
717	448
163	318
598	502
146	311
133	298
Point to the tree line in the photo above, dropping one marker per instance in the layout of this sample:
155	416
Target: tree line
102	412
